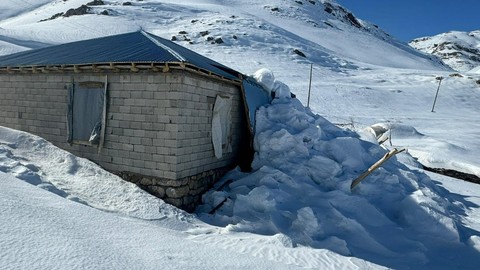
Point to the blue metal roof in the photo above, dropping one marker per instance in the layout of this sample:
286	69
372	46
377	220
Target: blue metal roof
136	47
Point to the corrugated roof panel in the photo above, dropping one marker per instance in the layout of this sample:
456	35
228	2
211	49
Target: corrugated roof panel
133	47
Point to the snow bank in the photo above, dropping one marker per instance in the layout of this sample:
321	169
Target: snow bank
429	151
300	188
39	230
38	162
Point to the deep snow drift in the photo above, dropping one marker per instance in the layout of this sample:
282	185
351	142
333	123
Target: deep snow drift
300	188
134	231
40	163
294	209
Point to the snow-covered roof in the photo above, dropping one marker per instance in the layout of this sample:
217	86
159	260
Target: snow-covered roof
136	47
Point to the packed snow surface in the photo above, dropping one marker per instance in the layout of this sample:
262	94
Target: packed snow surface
134	230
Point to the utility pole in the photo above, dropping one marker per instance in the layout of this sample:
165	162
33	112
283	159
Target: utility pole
309	86
438	89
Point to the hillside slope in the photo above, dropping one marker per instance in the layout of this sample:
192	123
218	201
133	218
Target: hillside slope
326	33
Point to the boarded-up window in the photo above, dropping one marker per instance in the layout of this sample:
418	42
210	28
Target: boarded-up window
86	110
221	122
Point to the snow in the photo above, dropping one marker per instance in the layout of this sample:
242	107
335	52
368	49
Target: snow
12	8
475	70
38	162
300	188
108	223
47	232
296	209
266	79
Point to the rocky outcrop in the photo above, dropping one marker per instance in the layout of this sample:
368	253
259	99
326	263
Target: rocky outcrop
459	50
342	14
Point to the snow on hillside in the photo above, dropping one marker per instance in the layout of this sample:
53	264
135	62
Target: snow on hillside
13	8
276	26
460	50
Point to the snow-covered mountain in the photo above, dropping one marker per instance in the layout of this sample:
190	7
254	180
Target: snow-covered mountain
322	31
459	50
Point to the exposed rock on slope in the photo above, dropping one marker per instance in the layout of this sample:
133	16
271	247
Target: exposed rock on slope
459	50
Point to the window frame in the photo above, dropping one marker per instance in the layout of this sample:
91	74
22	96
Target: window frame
86	85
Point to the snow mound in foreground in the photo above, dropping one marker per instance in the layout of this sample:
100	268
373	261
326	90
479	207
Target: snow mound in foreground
38	162
300	187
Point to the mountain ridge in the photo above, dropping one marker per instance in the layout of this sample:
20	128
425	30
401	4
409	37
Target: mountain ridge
322	30
459	50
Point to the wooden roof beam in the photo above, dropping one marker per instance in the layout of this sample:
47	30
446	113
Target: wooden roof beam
134	68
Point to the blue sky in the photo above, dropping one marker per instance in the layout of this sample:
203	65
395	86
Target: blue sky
409	19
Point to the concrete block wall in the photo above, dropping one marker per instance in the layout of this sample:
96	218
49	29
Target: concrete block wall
35	103
138	138
194	142
158	125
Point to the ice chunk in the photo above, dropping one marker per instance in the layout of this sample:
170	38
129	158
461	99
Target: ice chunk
281	90
265	78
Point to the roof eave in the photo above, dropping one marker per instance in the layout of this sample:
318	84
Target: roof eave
113	67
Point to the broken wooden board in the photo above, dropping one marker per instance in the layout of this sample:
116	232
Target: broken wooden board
375	166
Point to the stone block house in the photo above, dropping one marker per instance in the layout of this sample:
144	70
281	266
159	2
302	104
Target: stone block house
155	113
